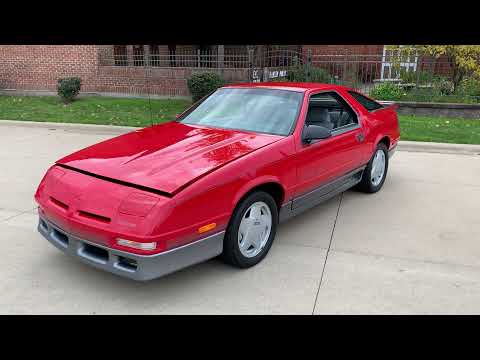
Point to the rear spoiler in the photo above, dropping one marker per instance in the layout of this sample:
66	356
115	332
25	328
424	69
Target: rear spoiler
390	104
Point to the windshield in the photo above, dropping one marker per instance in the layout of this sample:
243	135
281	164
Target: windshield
261	110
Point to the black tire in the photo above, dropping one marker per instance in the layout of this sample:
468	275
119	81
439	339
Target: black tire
231	249
366	185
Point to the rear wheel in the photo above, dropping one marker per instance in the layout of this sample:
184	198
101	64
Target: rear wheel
251	230
376	171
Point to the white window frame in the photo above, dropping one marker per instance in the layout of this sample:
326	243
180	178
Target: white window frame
409	66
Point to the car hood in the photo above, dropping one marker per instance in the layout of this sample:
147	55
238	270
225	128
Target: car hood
166	157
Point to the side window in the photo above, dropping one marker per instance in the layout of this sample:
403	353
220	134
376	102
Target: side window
367	103
330	110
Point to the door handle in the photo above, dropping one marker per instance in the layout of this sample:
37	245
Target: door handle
360	137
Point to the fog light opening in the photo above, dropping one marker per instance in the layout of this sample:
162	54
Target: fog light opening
95	253
59	237
127	264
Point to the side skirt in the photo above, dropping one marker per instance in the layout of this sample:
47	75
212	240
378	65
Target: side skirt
320	194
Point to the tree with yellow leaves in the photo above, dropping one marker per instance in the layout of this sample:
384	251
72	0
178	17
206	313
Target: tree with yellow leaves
465	59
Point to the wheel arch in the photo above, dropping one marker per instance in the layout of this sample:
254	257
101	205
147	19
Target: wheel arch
270	185
385	139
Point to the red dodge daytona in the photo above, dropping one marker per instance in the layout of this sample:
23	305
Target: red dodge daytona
217	180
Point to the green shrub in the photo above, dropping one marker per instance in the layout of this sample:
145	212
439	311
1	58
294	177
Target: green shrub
442	86
68	88
300	74
469	87
420	95
386	91
203	83
410	77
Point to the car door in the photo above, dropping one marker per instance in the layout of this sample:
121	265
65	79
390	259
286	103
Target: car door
324	161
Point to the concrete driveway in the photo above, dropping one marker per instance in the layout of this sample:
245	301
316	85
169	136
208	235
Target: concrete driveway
412	248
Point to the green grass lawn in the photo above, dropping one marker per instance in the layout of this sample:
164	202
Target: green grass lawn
91	110
136	112
436	129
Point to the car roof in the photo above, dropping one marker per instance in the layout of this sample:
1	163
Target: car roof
292	86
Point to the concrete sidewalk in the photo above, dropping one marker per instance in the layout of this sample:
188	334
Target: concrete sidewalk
412	248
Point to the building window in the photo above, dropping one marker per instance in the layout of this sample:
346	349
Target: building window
172	49
154	55
138	59
207	57
120	55
396	61
281	55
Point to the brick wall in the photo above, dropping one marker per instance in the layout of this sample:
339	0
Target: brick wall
350	63
38	67
25	67
140	80
344	49
156	81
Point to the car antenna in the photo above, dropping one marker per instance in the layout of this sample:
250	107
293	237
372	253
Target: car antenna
147	76
150	106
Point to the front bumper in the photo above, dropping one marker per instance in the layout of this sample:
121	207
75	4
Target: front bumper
133	266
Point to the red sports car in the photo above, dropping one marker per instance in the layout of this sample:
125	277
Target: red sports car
217	180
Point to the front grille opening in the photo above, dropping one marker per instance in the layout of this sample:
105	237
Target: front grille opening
60	237
127	264
95	252
59	203
95	217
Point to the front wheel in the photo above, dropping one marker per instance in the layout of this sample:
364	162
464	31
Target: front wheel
376	171
251	230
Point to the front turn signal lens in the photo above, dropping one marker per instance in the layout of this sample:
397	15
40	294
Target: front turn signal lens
137	245
207	228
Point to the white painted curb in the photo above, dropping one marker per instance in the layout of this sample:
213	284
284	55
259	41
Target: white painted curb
443	148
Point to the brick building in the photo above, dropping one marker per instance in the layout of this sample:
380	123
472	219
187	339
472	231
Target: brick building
164	69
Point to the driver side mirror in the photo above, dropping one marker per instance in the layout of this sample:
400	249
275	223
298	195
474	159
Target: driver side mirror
315	132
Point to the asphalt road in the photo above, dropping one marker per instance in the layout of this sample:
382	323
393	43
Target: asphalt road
412	248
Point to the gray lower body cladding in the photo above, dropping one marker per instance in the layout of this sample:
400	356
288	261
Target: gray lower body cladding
320	194
323	193
391	151
132	266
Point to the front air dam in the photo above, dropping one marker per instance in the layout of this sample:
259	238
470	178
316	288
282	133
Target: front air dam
132	266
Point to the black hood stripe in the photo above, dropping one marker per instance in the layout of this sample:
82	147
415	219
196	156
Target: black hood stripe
116	181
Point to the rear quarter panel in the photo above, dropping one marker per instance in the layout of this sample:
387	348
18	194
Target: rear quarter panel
376	125
385	123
